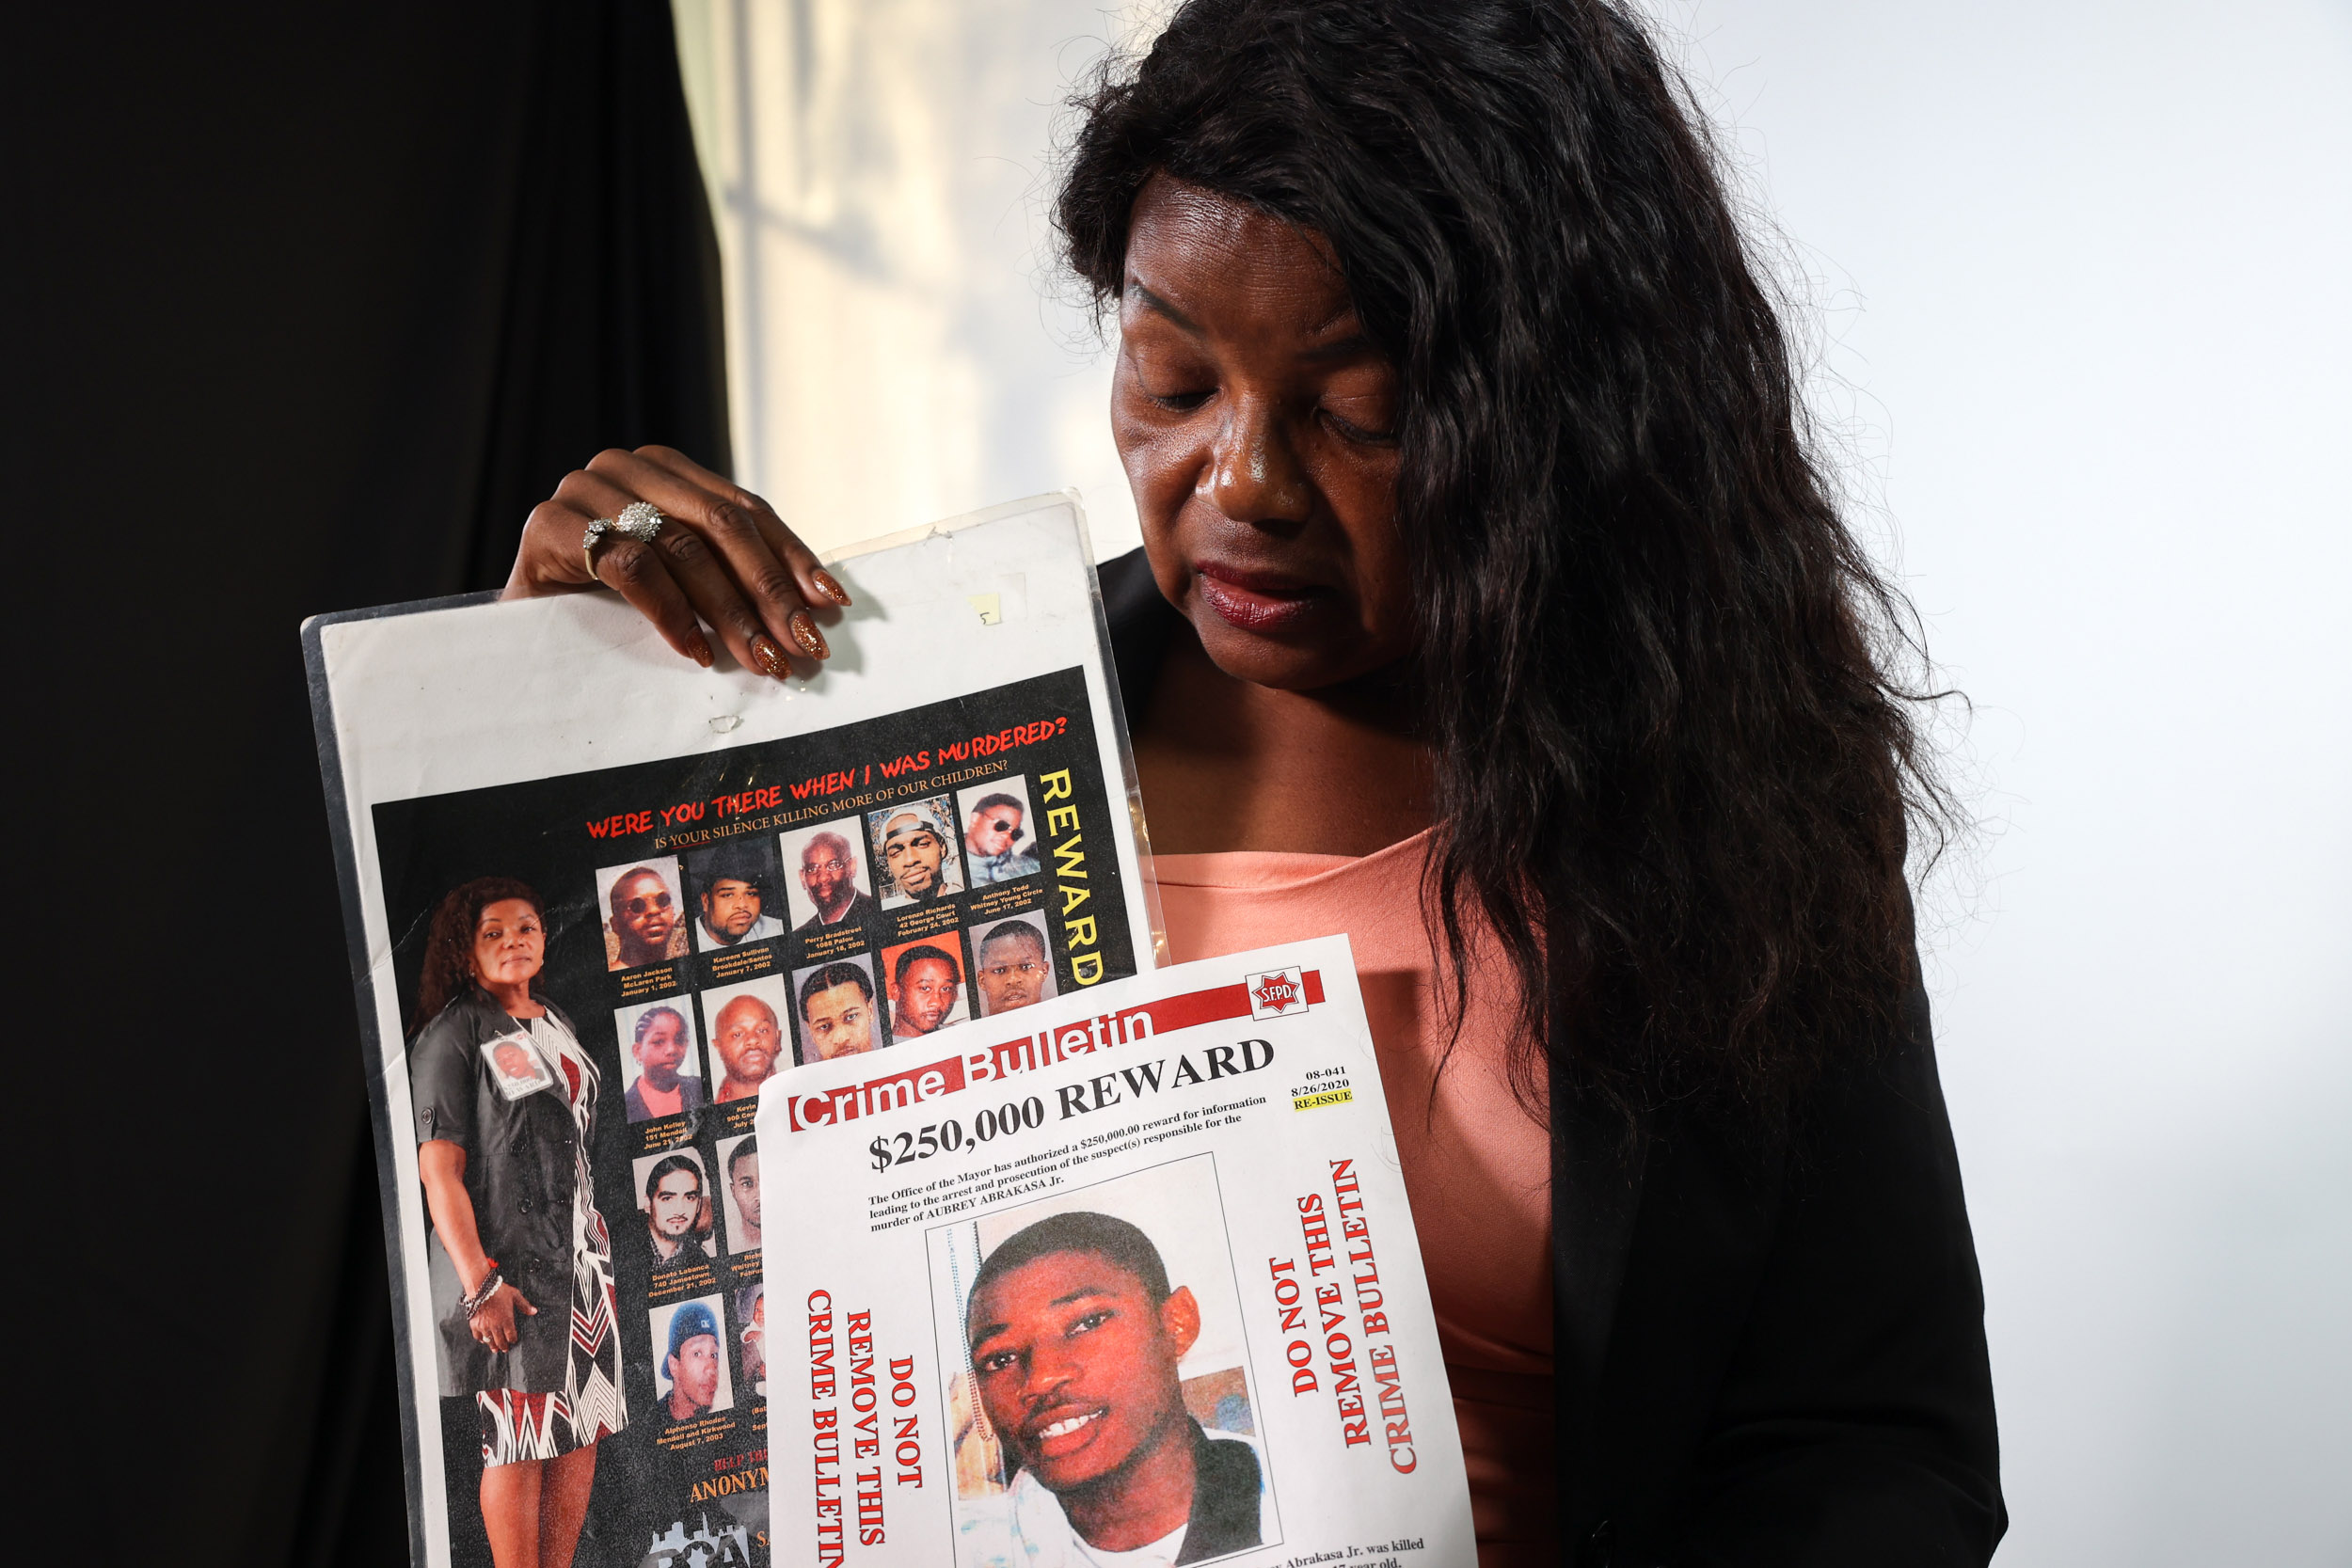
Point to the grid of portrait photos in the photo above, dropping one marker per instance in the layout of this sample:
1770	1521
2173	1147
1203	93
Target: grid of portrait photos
845	934
839	936
1142	1264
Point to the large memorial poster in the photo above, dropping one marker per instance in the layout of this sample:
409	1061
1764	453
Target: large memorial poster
598	897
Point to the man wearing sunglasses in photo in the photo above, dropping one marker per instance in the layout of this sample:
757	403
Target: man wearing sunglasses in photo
992	841
644	928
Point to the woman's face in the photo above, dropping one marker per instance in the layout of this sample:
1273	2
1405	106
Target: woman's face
509	943
1257	424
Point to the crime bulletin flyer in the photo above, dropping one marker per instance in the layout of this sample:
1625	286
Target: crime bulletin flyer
599	898
1128	1279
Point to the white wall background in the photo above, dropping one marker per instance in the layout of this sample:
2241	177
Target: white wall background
2086	271
899	346
2083	274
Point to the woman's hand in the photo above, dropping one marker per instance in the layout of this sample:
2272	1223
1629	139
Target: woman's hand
493	1322
723	558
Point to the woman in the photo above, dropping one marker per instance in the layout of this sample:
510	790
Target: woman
1492	611
506	1112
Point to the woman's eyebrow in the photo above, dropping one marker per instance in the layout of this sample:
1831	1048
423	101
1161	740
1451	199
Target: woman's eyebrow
1162	307
1355	345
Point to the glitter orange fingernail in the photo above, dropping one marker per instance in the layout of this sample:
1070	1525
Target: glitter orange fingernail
839	594
768	657
804	632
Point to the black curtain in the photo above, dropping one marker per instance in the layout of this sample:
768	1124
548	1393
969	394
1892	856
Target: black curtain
307	306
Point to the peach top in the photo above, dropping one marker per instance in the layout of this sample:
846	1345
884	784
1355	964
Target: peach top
1477	1166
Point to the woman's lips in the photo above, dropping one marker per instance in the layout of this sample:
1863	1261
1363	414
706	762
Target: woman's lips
1256	601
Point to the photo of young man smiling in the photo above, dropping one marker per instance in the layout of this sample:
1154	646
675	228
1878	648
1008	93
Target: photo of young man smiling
1076	1337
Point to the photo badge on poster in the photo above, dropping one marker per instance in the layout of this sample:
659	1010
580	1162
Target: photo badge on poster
1012	966
826	882
999	836
836	1010
515	1066
737	892
749	1039
690	1376
673	1194
662	1059
926	983
914	851
751	1310
1149	1255
739	1184
644	916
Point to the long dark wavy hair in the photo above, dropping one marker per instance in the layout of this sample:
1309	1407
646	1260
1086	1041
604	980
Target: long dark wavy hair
449	944
1675	754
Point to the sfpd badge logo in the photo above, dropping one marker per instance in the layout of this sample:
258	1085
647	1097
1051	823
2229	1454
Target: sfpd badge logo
1276	994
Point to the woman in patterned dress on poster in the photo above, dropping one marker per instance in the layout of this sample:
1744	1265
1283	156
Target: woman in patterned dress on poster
505	1106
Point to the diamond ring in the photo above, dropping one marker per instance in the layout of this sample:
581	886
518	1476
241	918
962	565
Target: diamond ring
589	540
639	520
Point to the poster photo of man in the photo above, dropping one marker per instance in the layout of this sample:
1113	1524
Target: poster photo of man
735	887
751	1310
1106	1411
661	1059
1011	965
749	1035
998	843
690	1377
926	982
837	1005
645	921
825	878
738	1185
914	846
515	1066
674	1198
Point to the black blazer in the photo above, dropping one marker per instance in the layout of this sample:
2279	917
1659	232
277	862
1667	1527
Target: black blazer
1763	1355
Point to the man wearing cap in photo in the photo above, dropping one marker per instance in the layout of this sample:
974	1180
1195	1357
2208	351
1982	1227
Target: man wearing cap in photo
692	1364
733	898
915	853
